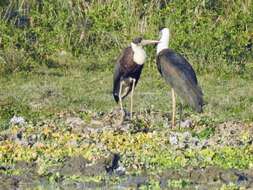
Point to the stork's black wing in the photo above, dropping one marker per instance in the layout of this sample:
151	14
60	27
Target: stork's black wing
123	66
180	75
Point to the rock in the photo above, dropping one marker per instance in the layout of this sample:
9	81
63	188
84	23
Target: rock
96	123
120	171
173	139
232	134
124	128
76	124
228	176
32	139
195	142
7	182
74	166
186	124
242	179
74	121
5	168
78	165
3	137
16	120
187	136
185	140
134	182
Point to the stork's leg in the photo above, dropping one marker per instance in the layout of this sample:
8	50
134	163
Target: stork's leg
132	93
180	113
173	107
120	101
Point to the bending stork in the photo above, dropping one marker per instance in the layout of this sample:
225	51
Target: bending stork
179	74
128	70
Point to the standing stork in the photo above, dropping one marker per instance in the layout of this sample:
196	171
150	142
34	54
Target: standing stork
128	70
178	72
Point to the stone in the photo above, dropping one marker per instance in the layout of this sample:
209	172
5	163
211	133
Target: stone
17	120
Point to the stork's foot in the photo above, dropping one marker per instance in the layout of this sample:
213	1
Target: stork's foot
118	117
128	116
122	116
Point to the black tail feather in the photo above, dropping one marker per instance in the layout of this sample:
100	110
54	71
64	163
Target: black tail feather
199	102
116	97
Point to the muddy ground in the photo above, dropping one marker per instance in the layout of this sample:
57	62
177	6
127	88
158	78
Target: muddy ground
93	150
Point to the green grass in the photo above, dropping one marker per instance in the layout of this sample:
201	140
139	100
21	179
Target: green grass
214	34
48	91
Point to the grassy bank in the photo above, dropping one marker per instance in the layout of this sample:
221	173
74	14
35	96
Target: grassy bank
213	35
227	97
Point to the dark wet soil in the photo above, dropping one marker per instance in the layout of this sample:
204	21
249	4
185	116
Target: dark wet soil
197	178
229	133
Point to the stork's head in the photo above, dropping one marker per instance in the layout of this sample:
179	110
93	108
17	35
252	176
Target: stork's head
164	34
164	40
139	41
137	47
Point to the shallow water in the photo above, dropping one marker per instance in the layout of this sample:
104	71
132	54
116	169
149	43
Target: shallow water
191	178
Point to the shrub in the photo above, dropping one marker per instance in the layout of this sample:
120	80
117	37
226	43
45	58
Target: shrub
212	34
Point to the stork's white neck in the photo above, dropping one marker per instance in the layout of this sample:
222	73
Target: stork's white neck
139	54
164	41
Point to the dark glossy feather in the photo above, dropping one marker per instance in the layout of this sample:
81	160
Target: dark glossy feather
180	75
125	68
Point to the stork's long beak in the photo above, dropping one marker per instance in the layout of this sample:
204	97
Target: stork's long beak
147	42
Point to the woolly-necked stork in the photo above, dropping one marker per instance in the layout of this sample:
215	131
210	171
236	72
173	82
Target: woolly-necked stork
178	72
128	70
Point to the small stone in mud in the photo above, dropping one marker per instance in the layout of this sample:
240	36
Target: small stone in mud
134	182
186	124
74	165
16	120
72	143
25	165
4	168
228	176
124	127
3	137
173	139
186	135
79	166
120	171
195	141
19	135
242	179
10	182
96	123
185	140
74	122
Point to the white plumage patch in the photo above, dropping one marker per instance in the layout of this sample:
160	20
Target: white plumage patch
161	46
139	54
164	41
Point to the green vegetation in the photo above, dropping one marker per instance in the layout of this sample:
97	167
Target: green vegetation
49	48
210	33
56	62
